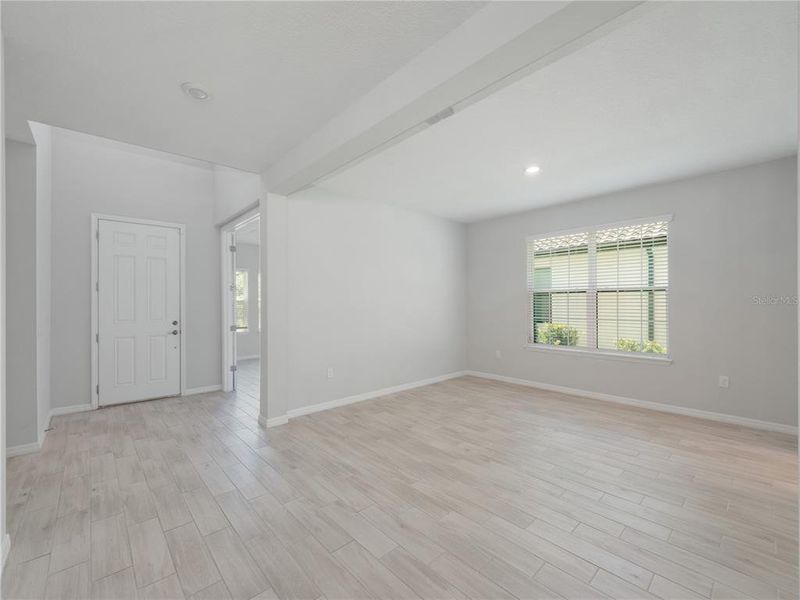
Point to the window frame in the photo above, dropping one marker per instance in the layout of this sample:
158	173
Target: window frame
592	290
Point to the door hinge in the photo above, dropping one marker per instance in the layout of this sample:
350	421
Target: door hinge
97	286
232	248
234	368
97	388
97	338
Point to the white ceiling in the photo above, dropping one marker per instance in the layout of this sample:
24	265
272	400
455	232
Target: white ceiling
686	88
276	71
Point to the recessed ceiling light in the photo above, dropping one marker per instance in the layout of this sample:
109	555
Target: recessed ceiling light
193	90
532	169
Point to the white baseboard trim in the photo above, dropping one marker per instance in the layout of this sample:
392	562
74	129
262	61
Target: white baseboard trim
307	410
23	449
658	406
63	410
55	412
68	410
76	408
248	357
207	389
273	422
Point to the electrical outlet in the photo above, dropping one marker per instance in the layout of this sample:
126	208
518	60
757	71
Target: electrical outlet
498	354
330	372
723	381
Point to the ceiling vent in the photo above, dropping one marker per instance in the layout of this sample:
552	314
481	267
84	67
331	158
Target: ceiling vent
440	116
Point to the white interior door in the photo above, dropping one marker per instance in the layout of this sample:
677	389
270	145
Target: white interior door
139	320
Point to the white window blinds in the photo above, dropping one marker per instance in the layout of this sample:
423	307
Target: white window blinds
603	289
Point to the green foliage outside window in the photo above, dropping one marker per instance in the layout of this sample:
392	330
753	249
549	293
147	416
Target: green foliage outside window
556	334
651	346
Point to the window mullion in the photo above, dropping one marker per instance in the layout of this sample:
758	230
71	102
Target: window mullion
591	294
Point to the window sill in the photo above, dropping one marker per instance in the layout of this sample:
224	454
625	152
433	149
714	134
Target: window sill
629	357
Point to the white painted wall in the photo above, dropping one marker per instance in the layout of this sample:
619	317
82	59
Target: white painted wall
98	176
21	409
235	191
248	343
733	237
42	135
376	292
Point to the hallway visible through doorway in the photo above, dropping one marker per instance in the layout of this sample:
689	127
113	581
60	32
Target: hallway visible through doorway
242	310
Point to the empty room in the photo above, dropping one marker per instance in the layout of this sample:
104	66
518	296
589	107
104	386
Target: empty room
399	300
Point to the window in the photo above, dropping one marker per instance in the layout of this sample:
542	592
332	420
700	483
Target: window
602	289
241	300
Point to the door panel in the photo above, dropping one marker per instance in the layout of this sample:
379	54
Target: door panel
138	300
157	358
124	360
124	288
157	288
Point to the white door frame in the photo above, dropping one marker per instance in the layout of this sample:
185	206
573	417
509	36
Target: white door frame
227	275
95	294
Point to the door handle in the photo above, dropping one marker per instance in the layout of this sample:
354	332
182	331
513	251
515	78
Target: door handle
174	332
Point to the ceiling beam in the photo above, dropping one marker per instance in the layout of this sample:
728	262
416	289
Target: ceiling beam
500	44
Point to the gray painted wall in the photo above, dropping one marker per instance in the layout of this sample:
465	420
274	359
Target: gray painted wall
92	176
374	291
387	296
21	409
733	237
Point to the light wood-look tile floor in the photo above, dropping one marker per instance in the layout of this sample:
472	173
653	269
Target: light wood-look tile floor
248	378
463	489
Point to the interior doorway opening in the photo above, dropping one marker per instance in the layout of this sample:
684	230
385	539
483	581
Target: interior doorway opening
242	305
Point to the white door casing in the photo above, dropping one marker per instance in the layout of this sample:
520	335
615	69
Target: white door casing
228	263
138	311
